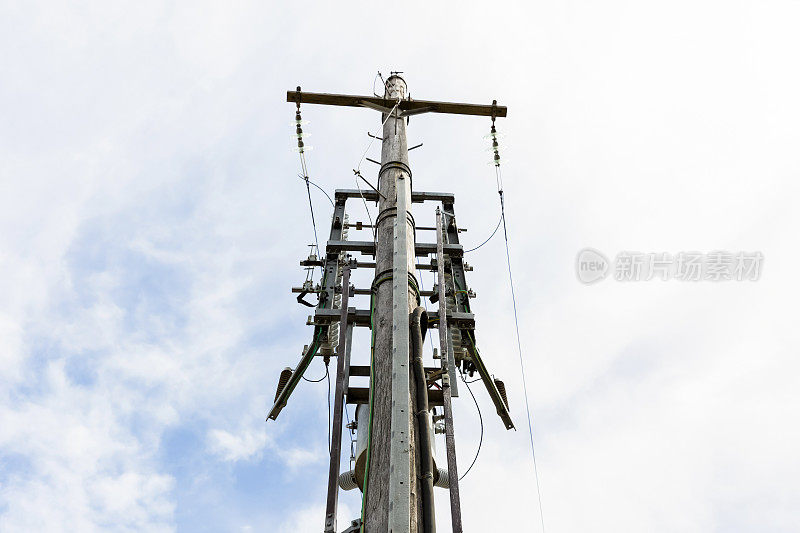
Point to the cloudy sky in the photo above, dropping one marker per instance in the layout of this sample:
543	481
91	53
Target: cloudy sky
151	224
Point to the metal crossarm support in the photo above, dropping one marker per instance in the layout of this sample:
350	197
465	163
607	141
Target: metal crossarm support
368	248
326	296
366	264
462	306
360	395
417	197
342	362
363	370
362	291
448	384
355	317
444	322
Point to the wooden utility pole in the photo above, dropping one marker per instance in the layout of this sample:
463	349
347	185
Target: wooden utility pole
393	471
393	496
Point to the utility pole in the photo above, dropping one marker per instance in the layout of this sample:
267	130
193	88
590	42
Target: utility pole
396	414
393	443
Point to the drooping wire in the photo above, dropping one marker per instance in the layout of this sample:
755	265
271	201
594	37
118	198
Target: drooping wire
310	203
328	377
480	417
378	75
357	171
488	238
499	180
328	196
317	380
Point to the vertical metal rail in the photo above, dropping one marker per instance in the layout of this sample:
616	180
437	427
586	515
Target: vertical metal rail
342	371
462	305
400	444
449	376
452	238
330	269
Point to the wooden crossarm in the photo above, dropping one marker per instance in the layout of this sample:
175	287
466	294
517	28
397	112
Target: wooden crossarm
409	107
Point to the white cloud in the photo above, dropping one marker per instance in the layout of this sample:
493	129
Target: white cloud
311	519
236	447
150	222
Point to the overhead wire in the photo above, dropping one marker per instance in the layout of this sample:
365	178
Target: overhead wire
500	221
310	203
480	417
320	188
316	380
305	177
301	148
499	179
499	182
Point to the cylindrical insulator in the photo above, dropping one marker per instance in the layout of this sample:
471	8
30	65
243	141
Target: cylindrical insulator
442	480
501	388
362	440
286	374
362	436
347	480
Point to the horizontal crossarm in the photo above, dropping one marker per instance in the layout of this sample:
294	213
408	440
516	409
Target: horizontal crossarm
406	106
416	196
368	248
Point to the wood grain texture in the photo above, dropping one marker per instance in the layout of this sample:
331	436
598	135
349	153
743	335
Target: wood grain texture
377	502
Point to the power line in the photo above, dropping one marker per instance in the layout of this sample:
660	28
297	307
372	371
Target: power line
316	380
519	343
320	188
490	236
311	208
301	149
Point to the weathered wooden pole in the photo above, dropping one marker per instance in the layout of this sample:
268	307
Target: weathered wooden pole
393	500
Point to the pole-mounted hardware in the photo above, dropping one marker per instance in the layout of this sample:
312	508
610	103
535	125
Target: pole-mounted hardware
407	423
